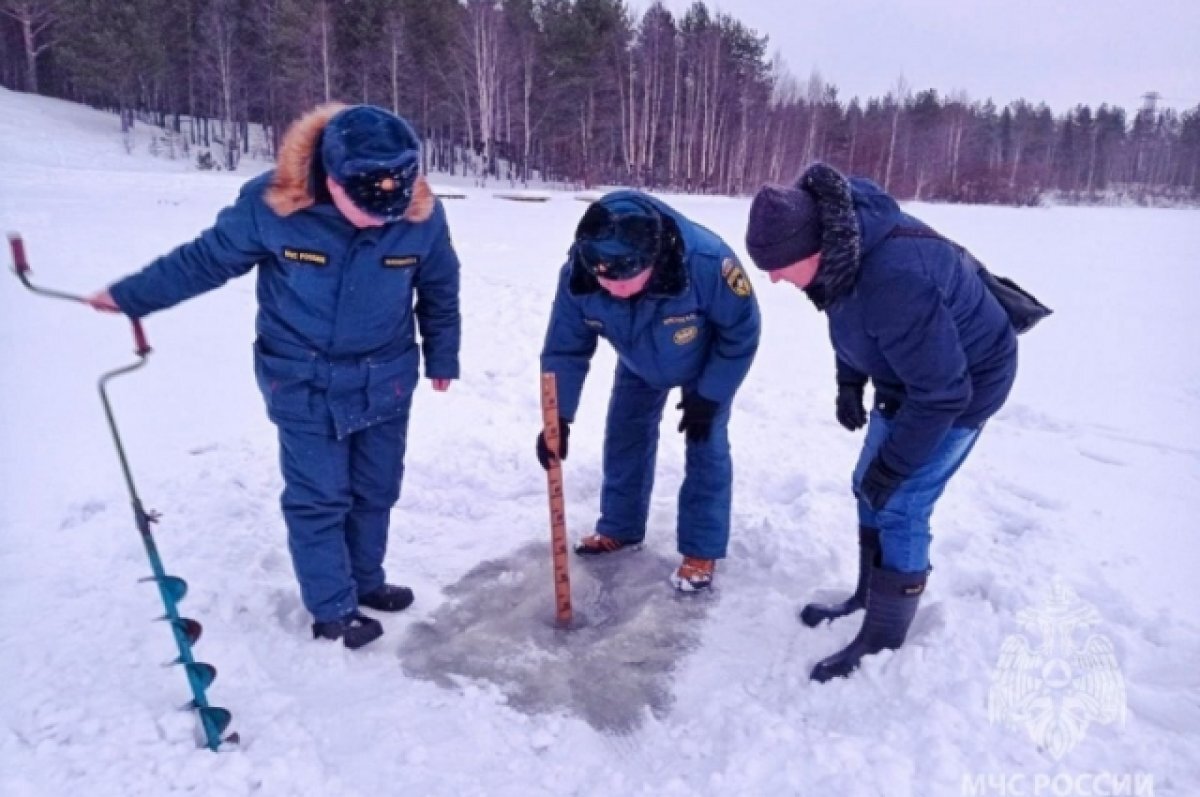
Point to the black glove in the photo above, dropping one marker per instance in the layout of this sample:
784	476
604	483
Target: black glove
544	454
850	411
878	484
698	416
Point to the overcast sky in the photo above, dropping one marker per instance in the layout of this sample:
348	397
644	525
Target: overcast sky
1061	51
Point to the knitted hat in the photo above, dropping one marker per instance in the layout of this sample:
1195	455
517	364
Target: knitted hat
374	155
784	228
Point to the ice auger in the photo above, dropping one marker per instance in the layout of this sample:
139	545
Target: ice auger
171	589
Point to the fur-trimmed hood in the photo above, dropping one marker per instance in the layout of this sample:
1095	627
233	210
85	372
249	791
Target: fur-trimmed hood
670	277
298	181
856	214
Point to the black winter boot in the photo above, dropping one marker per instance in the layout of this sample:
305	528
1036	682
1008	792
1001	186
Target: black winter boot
387	599
814	614
355	630
892	600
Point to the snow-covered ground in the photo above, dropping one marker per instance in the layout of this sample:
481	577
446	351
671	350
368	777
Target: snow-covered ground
1087	479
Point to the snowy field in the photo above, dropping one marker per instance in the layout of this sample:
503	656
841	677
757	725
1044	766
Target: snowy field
1087	479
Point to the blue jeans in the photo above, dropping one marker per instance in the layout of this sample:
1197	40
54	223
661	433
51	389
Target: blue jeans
904	522
630	448
337	501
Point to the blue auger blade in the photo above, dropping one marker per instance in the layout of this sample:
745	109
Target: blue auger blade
201	673
190	628
174	586
215	720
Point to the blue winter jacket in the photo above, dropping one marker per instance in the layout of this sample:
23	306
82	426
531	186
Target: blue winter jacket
336	349
907	309
696	324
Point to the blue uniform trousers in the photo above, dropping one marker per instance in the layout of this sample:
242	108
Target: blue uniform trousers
337	500
630	446
903	523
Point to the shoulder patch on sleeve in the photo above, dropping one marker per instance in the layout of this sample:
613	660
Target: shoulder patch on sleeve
735	278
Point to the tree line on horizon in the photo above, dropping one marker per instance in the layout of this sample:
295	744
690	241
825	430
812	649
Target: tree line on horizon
584	92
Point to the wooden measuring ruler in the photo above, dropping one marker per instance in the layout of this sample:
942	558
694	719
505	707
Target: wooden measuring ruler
558	514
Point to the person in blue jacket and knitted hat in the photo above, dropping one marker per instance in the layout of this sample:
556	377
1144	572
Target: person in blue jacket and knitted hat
675	304
354	257
908	310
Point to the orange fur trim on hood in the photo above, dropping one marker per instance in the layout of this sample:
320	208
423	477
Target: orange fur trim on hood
420	208
291	188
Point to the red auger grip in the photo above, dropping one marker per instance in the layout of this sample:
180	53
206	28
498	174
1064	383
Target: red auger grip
18	253
139	338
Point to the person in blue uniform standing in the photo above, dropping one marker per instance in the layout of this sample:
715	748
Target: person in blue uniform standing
354	258
910	311
672	299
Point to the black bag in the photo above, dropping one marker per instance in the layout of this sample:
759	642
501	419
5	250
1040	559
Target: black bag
1023	308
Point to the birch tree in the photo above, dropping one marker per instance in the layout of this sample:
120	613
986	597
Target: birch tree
35	18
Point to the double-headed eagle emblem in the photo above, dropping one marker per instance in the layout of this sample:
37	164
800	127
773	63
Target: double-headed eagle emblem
1055	690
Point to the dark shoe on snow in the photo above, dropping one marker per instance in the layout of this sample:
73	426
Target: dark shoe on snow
814	614
355	630
387	599
595	544
892	600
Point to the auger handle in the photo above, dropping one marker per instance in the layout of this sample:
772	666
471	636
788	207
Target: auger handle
139	338
20	263
22	270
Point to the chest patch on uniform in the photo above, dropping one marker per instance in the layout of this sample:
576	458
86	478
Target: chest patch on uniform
672	320
401	261
685	335
313	258
735	278
594	324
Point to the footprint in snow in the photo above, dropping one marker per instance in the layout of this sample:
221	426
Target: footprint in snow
1104	459
83	513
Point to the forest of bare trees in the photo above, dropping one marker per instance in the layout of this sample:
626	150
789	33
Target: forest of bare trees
579	91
